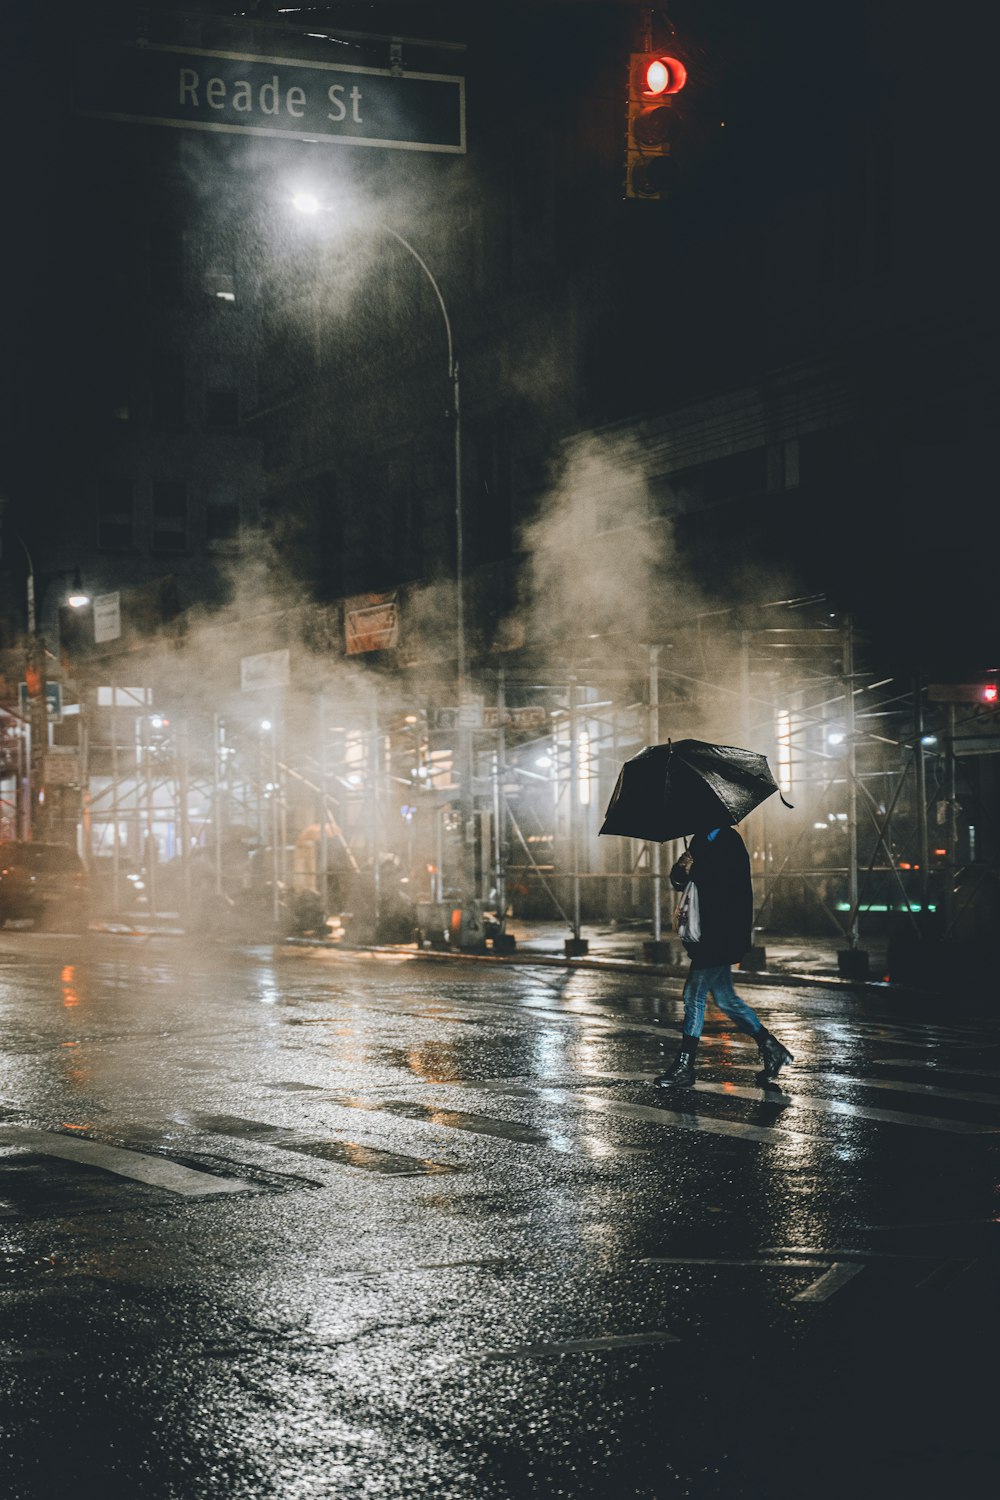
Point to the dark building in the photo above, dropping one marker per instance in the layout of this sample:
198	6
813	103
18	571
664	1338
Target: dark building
784	363
190	362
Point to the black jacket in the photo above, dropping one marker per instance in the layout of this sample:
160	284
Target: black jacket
721	871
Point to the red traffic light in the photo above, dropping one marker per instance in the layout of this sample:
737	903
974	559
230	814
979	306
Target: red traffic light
663	75
990	692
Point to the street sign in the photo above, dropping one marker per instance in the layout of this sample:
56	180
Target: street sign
515	718
53	701
371	623
474	715
107	617
337	104
61	766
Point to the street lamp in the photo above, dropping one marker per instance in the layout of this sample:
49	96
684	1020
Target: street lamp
309	204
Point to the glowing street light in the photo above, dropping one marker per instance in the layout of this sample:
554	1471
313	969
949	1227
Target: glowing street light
77	598
308	204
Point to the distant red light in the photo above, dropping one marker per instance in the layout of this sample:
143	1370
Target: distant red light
990	692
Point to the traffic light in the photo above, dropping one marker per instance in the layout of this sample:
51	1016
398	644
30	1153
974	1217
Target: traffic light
654	81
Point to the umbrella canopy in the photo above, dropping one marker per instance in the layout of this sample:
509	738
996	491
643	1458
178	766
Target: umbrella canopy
667	791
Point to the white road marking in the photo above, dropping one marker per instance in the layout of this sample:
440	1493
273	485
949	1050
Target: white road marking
935	1224
853	1111
832	1279
848	1254
157	1171
839	1274
913	1088
586	1346
910	1062
816	1264
706	1124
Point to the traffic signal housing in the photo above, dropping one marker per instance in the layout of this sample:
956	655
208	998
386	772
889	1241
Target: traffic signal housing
654	81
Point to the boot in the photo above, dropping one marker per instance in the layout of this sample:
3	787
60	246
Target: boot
681	1075
773	1055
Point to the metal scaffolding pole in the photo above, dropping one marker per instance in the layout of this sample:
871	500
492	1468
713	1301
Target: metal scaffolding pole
500	803
574	828
655	853
951	865
184	797
853	962
322	880
275	851
217	792
576	945
374	804
116	863
850	722
151	850
920	762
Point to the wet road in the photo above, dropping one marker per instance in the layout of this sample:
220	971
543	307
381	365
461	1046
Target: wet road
368	1226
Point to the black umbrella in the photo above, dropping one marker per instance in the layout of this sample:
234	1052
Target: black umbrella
667	791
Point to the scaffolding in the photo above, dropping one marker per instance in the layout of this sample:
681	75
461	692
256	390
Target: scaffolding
345	802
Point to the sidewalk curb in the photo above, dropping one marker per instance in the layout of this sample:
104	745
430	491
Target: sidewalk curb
309	947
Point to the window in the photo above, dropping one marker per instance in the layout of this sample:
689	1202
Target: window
115	515
491	531
222	396
221	286
222	516
167	390
167	263
737	477
170	515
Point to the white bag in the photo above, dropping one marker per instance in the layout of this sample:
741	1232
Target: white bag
688	916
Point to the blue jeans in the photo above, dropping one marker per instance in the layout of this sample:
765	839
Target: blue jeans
720	982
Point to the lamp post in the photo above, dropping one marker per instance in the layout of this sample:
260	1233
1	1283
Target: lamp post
35	679
307	203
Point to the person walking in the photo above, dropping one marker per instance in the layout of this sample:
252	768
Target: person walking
718	864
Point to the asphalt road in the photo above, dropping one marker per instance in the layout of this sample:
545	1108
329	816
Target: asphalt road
279	1226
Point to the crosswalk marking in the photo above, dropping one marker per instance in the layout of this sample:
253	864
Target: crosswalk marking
452	1119
839	1274
690	1121
342	1153
587	1346
832	1279
897	1086
705	1124
157	1171
935	1067
893	1085
813	1264
815	1104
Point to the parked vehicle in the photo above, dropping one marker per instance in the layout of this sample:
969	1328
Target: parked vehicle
43	883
